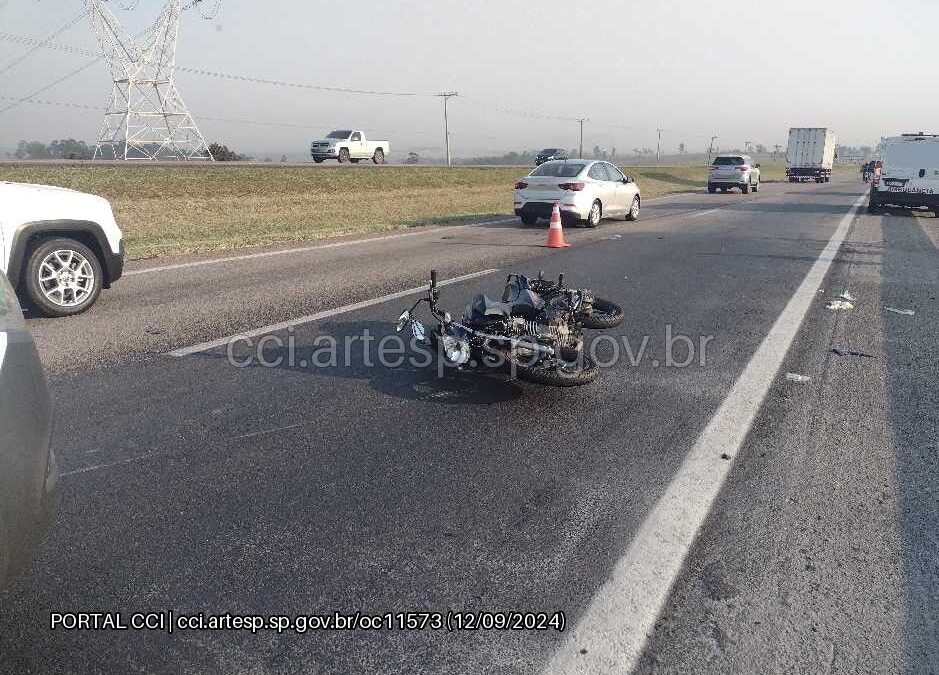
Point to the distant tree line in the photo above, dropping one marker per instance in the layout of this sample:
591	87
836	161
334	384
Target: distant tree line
61	149
72	149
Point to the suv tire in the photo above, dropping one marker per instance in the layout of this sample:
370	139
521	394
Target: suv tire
711	189
528	219
745	188
72	267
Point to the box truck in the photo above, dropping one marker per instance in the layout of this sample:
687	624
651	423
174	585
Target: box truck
810	154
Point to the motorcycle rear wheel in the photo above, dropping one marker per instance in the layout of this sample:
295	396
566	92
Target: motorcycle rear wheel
605	314
573	369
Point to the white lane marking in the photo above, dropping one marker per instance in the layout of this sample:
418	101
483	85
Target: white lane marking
305	249
614	629
309	318
704	213
321	247
3	347
110	464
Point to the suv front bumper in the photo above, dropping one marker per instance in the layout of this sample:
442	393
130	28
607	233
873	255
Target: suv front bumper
114	264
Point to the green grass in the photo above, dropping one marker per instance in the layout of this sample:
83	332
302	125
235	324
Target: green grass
181	209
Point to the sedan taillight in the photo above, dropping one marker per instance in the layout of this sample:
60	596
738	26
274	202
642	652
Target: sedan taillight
574	187
521	185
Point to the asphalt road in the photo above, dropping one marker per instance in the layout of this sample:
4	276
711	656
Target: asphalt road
193	485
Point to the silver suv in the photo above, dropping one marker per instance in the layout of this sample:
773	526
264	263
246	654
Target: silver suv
27	465
733	171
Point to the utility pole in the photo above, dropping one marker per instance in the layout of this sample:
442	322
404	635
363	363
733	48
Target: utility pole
711	148
747	145
776	149
582	120
658	148
446	96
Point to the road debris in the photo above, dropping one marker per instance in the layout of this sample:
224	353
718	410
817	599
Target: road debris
904	312
851	352
795	377
844	295
838	304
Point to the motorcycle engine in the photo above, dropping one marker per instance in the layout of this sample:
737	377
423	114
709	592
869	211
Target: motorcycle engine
550	327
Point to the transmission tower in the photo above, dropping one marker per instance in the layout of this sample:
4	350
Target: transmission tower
146	118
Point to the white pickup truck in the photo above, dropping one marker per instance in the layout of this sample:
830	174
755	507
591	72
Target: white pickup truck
349	145
58	247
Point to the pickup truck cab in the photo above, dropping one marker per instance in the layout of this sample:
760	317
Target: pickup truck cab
58	247
349	145
909	173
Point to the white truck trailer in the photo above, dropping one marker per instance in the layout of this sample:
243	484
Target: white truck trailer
810	154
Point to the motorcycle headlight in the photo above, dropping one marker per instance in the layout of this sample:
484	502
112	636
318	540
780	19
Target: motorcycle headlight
456	351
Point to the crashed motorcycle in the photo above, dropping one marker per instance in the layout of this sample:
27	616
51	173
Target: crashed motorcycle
534	332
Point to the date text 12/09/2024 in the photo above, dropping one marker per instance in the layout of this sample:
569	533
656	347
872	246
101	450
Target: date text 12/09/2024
170	621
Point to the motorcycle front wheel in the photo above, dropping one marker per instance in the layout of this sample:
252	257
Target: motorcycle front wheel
605	314
573	369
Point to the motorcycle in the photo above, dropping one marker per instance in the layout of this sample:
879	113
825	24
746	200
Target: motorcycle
536	331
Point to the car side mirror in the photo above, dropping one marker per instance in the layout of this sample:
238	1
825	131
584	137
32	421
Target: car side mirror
627	180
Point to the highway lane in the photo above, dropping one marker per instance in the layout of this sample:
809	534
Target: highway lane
153	313
195	485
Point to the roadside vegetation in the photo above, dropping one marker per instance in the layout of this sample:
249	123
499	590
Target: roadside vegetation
170	209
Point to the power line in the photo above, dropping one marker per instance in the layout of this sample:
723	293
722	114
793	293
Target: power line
41	43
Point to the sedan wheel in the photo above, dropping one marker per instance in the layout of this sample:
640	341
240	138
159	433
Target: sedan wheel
596	213
634	209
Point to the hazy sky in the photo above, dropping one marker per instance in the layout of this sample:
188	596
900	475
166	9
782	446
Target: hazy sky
746	71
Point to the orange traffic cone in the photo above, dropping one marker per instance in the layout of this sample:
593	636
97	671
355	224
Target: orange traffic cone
556	232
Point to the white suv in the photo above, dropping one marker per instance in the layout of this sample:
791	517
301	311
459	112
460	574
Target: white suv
733	171
58	247
909	175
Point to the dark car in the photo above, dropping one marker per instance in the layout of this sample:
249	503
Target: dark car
27	465
549	154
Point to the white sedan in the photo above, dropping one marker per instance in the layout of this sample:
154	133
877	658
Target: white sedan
586	191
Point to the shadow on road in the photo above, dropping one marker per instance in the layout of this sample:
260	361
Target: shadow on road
311	354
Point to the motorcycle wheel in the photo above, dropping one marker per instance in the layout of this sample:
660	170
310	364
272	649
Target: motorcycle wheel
573	369
605	314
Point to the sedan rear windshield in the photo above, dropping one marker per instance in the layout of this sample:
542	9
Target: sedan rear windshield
550	151
341	133
728	161
559	170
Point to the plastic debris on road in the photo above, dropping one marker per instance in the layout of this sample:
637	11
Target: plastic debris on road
795	377
838	304
904	312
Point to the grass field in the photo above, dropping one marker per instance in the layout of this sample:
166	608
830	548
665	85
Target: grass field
179	209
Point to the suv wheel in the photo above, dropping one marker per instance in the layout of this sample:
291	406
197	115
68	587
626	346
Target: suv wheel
745	188
711	188
529	219
63	277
